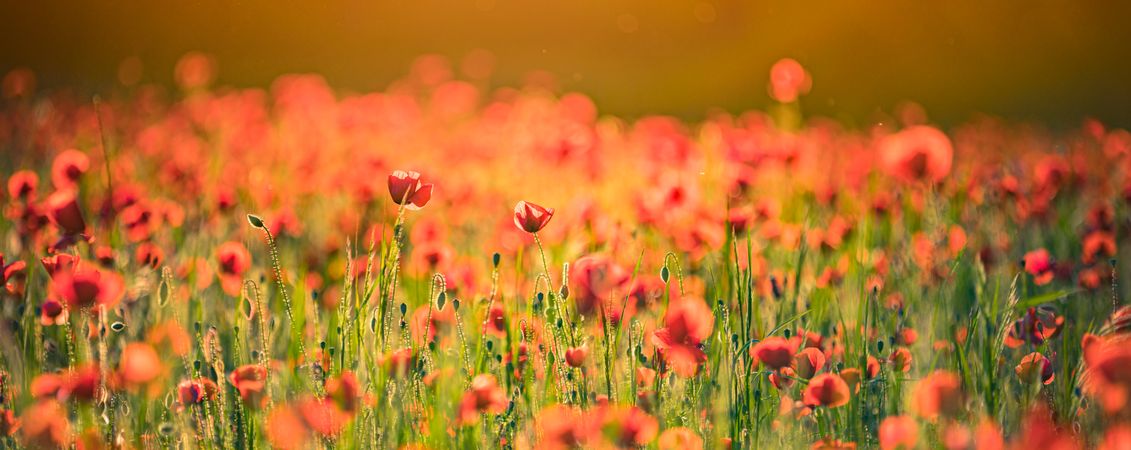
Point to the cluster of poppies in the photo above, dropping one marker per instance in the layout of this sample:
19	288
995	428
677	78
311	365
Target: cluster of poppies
747	281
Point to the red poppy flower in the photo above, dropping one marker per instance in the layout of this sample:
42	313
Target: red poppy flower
484	396
400	362
901	359
285	429
59	262
52	312
938	394
775	352
45	425
827	389
86	287
406	189
68	167
1098	243
917	153
1038	325
788	80
575	357
808	362
596	279
1033	367
1108	376
626	426
344	390
22	185
531	218
1039	264
149	255
898	432
561	427
688	323
63	210
322	415
140	364
234	260
251	383
191	392
783	378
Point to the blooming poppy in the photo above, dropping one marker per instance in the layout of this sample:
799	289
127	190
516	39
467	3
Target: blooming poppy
344	390
400	362
596	278
234	260
898	432
1034	367
251	382
86	287
1038	325
901	359
775	352
938	394
22	185
68	167
1039	264
406	189
62	208
45	425
322	415
827	389
484	396
688	323
531	218
285	429
140	364
60	262
808	362
561	427
191	392
52	312
917	153
576	356
626	426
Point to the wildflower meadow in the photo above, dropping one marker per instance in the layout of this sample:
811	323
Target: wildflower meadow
442	263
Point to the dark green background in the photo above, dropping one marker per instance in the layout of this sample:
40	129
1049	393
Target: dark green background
1055	62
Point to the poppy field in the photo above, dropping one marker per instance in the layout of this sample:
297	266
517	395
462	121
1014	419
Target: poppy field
448	264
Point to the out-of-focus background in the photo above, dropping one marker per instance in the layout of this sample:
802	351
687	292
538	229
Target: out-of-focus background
1054	62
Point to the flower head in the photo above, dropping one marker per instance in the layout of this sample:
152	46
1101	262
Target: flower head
531	218
406	189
